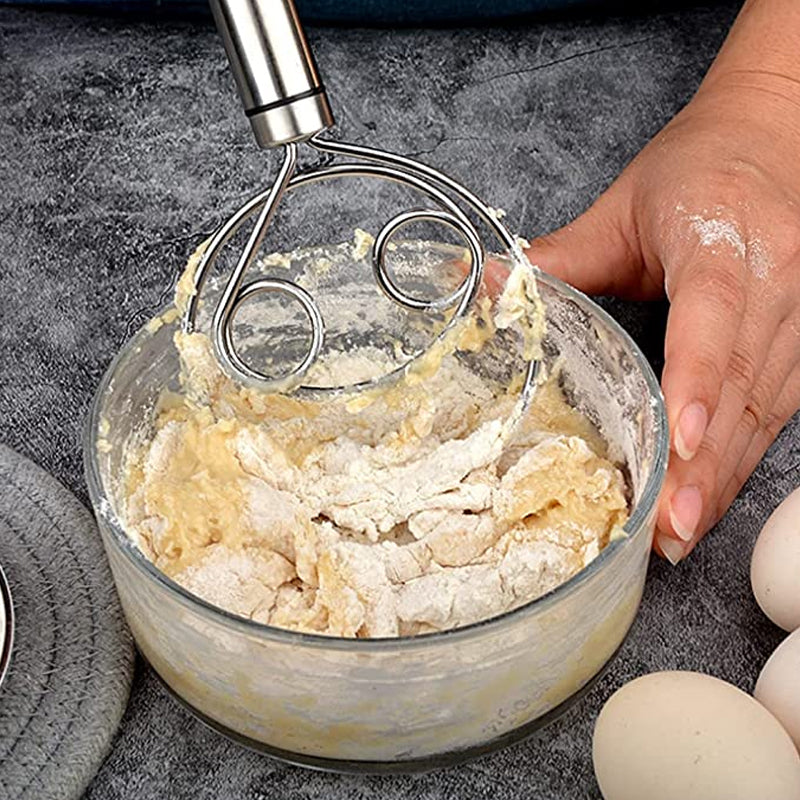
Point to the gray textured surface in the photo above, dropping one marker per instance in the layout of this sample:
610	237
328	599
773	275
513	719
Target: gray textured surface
121	145
72	662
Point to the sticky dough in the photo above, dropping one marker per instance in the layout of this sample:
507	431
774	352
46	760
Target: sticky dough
403	515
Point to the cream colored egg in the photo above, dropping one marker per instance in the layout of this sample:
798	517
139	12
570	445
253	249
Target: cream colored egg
778	687
686	736
775	566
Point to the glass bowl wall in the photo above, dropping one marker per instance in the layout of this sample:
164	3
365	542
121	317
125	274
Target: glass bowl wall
404	703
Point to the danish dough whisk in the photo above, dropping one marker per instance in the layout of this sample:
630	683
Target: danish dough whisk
285	101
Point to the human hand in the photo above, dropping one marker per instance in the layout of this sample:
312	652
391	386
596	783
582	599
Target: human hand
708	213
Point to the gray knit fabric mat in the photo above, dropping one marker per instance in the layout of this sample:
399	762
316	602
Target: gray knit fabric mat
72	662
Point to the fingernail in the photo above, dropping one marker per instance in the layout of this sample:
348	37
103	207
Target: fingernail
671	548
685	510
692	424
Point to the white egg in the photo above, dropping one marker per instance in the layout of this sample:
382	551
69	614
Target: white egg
686	736
775	567
778	687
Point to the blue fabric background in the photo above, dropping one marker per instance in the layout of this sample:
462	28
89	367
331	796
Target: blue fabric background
360	11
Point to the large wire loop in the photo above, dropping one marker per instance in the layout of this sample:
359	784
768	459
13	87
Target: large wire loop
386	166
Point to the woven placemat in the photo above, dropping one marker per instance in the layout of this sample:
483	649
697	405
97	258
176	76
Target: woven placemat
72	661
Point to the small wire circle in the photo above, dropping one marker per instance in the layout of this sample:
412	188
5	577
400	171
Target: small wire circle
387	283
226	347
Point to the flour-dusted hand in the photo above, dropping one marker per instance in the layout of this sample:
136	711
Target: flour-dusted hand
709	212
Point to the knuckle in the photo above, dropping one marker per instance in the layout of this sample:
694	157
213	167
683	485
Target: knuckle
707	376
723	287
742	368
762	397
709	454
776	418
753	418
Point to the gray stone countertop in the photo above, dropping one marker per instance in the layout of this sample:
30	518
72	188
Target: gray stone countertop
122	145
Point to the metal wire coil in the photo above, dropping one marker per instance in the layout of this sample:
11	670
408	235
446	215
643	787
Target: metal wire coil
373	163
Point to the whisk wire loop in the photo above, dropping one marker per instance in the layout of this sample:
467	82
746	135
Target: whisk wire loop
372	164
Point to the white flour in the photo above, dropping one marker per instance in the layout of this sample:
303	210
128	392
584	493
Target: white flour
713	232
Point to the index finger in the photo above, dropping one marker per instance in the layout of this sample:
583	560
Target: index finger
705	317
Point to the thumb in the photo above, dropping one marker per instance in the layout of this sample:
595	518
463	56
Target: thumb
598	252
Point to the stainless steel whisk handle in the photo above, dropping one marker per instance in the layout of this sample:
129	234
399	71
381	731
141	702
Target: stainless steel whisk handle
274	69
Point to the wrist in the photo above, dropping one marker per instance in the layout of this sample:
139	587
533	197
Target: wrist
764	40
757	71
756	105
753	90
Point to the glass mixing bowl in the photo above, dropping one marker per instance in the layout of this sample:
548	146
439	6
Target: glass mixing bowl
402	703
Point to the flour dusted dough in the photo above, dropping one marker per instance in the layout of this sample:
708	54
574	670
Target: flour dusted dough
406	514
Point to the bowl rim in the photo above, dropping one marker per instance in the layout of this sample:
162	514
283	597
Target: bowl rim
7	626
633	527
